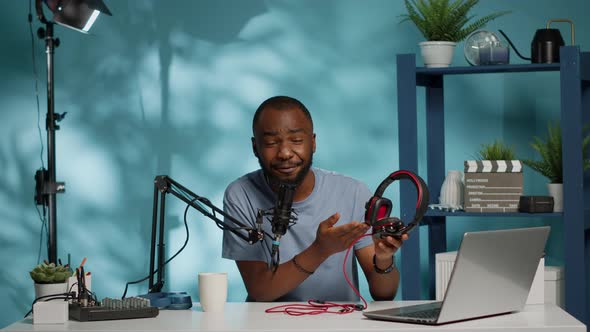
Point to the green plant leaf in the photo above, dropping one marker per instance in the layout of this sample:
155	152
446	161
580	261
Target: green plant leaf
50	273
549	149
496	151
442	20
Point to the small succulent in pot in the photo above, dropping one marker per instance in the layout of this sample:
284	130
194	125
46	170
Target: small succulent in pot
50	273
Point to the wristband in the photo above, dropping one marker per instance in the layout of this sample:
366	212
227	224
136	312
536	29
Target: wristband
387	270
299	267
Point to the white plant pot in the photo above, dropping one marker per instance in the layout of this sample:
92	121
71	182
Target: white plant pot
556	191
437	53
50	289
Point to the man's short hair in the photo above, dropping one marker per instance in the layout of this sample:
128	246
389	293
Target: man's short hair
281	103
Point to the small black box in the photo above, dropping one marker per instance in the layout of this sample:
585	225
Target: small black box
535	204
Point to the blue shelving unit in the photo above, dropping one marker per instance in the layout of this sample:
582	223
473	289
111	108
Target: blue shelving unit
574	71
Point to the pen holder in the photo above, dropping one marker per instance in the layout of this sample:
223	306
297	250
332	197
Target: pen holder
73	283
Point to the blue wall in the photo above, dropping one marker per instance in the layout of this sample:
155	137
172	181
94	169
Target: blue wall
169	87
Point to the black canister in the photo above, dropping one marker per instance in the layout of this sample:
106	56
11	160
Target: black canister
545	46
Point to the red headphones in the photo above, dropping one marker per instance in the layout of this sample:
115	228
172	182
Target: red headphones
378	208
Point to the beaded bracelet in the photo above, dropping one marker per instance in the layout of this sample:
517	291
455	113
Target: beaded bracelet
300	268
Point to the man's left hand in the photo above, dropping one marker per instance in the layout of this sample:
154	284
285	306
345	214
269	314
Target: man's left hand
388	246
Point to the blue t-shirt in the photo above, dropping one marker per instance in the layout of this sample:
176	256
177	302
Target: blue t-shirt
332	193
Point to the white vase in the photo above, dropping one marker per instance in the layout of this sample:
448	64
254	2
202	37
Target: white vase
50	289
451	191
437	53
556	191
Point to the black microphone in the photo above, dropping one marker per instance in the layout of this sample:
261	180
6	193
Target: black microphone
282	217
282	211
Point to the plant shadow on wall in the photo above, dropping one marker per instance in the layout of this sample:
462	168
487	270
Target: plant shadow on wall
168	33
444	23
97	82
21	226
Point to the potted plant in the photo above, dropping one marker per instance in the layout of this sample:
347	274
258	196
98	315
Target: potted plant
550	165
496	151
50	279
493	180
444	23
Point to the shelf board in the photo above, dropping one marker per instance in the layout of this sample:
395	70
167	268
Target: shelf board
438	213
517	68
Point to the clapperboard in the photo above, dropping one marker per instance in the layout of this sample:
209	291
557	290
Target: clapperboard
493	185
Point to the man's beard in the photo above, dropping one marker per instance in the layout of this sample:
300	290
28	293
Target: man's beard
275	180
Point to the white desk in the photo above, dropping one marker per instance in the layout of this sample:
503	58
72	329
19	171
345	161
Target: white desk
251	317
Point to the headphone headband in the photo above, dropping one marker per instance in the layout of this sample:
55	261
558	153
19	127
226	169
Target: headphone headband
421	188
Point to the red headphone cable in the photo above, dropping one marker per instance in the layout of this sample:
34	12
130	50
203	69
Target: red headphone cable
316	307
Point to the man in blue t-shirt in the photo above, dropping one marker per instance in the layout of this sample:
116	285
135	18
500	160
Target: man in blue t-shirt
330	211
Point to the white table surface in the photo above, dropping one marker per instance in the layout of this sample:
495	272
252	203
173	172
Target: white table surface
241	316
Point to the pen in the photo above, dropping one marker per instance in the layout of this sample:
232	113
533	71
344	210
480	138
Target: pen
83	261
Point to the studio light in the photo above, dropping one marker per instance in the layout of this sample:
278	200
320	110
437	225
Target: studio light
78	15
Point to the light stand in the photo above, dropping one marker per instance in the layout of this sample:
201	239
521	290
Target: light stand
164	185
78	15
46	186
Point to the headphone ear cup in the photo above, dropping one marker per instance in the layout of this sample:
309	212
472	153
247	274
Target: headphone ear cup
391	221
383	208
369	208
377	208
387	227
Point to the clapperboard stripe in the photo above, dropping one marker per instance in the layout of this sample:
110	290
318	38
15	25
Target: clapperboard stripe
493	166
516	166
470	166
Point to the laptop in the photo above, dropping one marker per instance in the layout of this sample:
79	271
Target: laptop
492	275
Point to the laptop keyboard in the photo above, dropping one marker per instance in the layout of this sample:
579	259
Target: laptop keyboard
429	314
421	313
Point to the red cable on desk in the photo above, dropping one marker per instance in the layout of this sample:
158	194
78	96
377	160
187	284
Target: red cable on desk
316	307
313	307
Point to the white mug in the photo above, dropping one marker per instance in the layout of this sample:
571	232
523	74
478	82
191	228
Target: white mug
212	291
